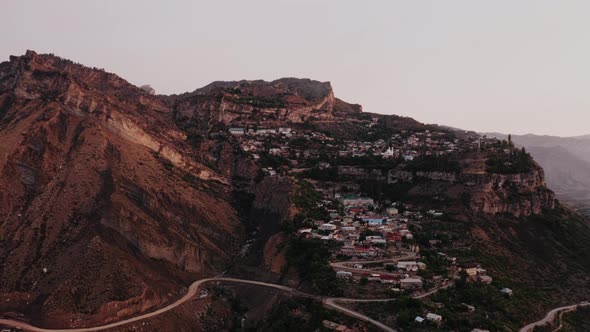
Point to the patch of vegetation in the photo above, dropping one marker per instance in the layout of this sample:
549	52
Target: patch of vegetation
436	264
308	200
310	258
513	162
400	312
382	191
493	310
542	259
321	174
434	163
299	314
578	321
261	101
368	160
269	160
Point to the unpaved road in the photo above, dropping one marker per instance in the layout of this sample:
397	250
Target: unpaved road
330	303
192	291
550	317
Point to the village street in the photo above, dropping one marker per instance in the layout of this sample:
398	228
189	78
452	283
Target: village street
346	265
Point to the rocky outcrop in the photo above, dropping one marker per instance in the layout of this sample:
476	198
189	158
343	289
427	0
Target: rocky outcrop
522	194
287	100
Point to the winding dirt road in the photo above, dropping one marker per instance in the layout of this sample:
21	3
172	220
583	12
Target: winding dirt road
330	303
192	291
551	315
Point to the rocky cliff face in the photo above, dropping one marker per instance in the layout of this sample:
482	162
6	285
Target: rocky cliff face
255	102
522	194
99	187
519	195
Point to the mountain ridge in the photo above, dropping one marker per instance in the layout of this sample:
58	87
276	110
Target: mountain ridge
99	175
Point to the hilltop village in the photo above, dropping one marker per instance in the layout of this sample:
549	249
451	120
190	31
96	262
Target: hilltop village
378	246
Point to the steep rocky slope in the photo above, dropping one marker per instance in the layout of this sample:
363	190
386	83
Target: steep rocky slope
102	202
251	102
566	161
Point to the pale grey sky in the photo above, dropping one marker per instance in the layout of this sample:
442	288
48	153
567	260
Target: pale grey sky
510	66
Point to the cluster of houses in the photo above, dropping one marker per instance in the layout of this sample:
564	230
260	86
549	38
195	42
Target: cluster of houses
431	317
406	145
398	280
239	131
363	232
410	145
275	142
476	273
367	230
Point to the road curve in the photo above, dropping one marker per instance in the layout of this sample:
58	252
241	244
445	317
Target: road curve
550	317
331	303
192	291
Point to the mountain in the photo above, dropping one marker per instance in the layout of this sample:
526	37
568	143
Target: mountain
102	201
566	161
577	145
113	200
107	200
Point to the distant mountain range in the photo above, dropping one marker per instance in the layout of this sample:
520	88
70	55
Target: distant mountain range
566	161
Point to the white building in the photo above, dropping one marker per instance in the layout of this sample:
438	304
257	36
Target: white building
411	266
392	211
378	241
343	275
237	131
389	153
434	317
410	283
348	229
266	131
327	227
285	131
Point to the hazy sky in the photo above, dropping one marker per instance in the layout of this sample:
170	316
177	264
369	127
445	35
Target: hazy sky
511	66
